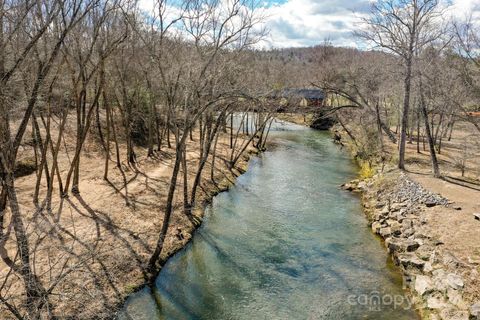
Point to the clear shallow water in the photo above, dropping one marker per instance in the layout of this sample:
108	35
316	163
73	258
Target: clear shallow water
284	243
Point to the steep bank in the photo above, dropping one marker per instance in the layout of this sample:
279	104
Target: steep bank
403	213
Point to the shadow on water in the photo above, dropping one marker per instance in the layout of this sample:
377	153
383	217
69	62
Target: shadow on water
284	243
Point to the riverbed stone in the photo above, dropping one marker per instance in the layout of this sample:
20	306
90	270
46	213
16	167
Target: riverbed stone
396	228
362	185
453	314
475	310
393	244
390	221
410	259
436	301
376	226
439	280
385	232
397	206
424	252
454	281
403	245
427	267
408	232
423	284
451	261
380	205
455	298
407	223
347	186
384	212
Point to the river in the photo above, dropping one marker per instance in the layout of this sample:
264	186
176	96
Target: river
284	243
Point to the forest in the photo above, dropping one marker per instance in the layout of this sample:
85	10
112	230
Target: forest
118	124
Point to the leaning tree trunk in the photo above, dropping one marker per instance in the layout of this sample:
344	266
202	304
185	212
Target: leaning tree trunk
152	264
36	296
431	143
406	108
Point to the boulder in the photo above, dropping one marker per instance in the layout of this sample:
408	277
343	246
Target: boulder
439	280
475	310
423	284
424	252
379	205
385	232
455	298
376	226
436	302
347	186
454	281
410	259
407	223
362	185
396	228
476	216
453	314
408	232
384	212
397	206
428	267
451	261
401	245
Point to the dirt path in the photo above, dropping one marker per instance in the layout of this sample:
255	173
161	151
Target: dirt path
456	228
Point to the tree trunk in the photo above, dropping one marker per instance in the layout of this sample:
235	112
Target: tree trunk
406	108
431	143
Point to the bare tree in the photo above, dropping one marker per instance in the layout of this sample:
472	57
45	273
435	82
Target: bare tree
404	28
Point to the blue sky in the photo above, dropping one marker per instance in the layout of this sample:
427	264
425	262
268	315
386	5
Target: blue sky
297	23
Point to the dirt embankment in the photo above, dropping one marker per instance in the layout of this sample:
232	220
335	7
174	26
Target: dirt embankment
98	243
433	238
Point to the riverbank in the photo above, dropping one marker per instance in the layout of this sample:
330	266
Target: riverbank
108	241
444	284
429	228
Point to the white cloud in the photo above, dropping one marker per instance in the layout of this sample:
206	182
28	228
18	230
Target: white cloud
466	10
309	22
296	23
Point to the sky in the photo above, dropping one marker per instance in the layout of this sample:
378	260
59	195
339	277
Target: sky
300	23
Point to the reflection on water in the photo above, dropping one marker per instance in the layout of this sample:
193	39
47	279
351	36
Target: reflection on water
284	243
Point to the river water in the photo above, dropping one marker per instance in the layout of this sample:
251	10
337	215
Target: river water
284	243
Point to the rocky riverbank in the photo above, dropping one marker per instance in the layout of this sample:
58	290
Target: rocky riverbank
438	282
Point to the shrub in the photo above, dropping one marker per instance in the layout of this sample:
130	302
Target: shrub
25	167
366	171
